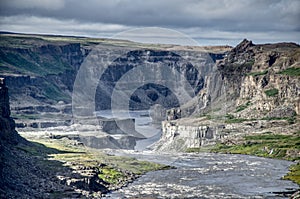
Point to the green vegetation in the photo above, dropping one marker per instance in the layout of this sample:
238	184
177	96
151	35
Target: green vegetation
26	116
198	150
114	171
294	173
291	120
111	175
257	73
266	145
243	107
291	72
249	63
33	63
271	92
51	91
269	145
231	119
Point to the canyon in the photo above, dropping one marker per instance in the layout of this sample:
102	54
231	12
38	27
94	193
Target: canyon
88	92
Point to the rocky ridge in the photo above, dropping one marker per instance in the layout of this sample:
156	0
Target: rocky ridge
254	89
41	70
23	175
64	169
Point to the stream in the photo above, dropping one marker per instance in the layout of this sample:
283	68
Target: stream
208	175
202	175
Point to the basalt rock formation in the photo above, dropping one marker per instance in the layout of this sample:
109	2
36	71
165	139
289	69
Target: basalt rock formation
26	172
254	89
7	124
41	72
250	88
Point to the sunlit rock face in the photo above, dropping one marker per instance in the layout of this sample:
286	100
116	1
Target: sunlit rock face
255	89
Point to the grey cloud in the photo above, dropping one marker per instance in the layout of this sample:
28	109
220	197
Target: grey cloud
220	15
227	14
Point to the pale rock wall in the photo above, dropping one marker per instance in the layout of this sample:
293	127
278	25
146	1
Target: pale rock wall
177	137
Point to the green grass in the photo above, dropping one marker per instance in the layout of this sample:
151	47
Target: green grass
51	91
20	62
243	107
271	92
26	116
231	119
265	145
116	166
291	72
198	150
249	63
269	145
111	175
291	120
257	73
294	173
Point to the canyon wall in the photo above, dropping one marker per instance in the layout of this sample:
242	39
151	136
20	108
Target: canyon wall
255	89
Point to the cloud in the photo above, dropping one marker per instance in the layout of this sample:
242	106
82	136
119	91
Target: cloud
219	18
44	25
33	4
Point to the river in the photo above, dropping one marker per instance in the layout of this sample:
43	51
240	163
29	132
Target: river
203	175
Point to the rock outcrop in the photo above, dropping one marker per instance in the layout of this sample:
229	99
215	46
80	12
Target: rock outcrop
26	172
254	89
7	124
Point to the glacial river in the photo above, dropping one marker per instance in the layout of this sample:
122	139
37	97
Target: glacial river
207	175
203	175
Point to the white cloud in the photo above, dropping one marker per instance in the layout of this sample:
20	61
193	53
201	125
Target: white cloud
44	25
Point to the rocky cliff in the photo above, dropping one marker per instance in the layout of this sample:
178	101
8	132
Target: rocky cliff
41	72
27	172
7	124
251	88
254	89
8	135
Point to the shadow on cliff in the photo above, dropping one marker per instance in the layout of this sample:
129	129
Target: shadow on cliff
27	172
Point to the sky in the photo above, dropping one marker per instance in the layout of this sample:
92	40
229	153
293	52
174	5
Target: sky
209	22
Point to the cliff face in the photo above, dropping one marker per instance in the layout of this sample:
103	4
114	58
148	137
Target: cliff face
41	74
8	134
155	69
254	89
41	70
7	124
264	79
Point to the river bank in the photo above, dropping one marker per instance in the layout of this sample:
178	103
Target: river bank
269	145
209	175
61	167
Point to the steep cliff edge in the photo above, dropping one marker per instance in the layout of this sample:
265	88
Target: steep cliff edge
7	124
41	70
254	89
57	167
263	79
25	171
7	131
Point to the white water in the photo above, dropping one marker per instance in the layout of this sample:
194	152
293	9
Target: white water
204	175
208	175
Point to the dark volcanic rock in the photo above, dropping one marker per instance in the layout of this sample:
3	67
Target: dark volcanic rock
7	124
165	66
24	175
